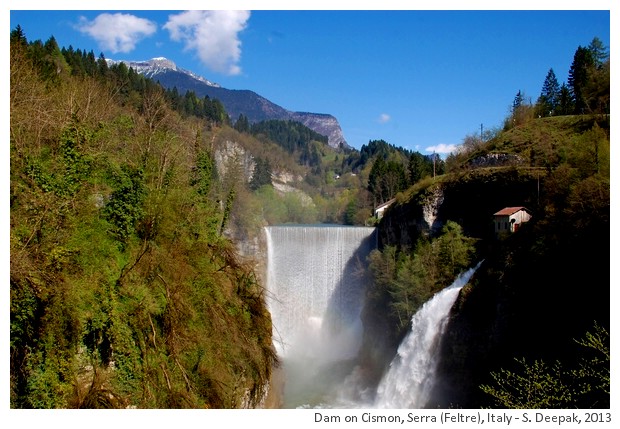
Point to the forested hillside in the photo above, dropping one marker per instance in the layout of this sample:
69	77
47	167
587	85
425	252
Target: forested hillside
124	291
129	204
531	330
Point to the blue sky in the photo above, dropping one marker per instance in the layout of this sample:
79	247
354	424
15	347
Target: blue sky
419	79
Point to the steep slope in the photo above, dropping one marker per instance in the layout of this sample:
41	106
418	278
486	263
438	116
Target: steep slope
255	107
124	291
539	289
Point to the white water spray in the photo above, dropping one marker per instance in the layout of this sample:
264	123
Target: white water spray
315	299
410	378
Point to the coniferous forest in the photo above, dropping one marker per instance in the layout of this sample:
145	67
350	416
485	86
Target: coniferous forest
127	285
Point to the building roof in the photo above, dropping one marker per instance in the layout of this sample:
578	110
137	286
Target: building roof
385	204
507	211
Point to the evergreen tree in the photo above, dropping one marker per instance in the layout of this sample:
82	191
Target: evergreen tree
75	61
174	98
419	167
262	174
204	173
377	171
578	76
550	95
566	104
90	64
598	51
518	102
386	179
242	125
102	65
18	36
220	115
350	212
53	62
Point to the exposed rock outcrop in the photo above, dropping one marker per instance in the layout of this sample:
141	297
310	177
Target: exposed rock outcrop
527	300
430	208
232	159
323	124
496	160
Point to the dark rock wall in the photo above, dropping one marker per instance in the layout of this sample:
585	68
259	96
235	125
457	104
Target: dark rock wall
534	295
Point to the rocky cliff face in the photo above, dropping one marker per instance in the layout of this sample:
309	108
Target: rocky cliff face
497	160
232	158
405	223
470	199
323	124
525	303
535	293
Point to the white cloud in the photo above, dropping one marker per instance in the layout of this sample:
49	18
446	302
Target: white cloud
118	32
442	148
384	118
214	35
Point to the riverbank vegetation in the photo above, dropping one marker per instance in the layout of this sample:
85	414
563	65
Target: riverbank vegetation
409	278
537	384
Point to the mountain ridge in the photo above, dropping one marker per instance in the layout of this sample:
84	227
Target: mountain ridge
236	101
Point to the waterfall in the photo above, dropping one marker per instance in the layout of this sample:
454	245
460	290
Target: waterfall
410	377
315	298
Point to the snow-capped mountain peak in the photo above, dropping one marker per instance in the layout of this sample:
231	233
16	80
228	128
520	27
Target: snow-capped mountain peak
155	66
236	102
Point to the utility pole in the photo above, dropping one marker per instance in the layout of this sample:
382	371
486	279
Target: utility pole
538	191
481	133
434	158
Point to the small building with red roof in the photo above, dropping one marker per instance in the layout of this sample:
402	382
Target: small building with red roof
509	219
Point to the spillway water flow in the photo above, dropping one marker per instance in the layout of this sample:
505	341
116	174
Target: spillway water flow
316	287
410	378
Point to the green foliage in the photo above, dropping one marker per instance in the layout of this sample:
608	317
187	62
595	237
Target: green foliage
204	174
381	149
583	62
588	79
598	51
549	99
386	179
242	124
522	111
289	207
539	385
262	174
589	152
536	386
191	105
419	167
586	92
62	169
123	293
411	278
518	101
293	136
124	208
227	208
566	104
594	372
